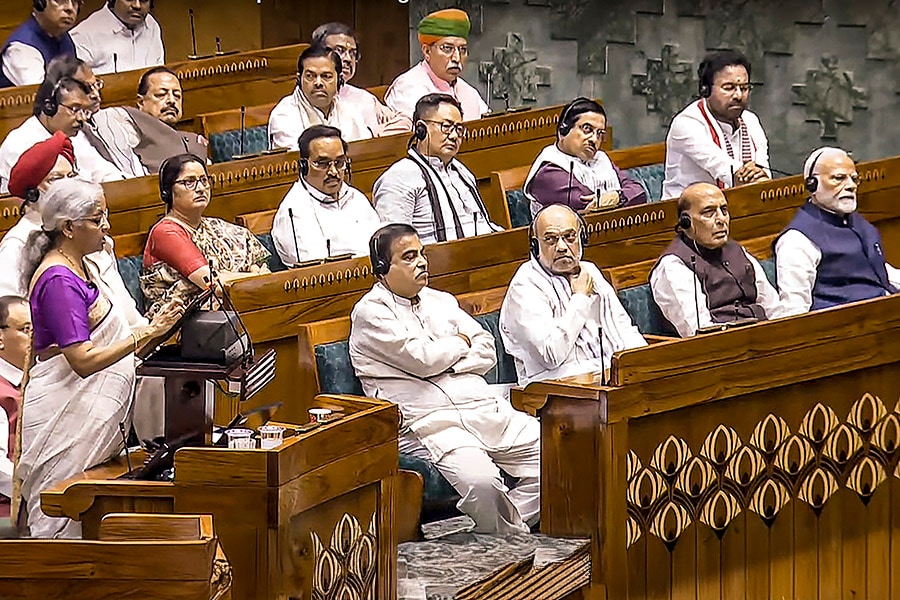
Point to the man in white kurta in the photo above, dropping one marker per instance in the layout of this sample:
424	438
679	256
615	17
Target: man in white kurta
443	36
322	216
121	37
716	139
315	101
558	306
704	278
70	118
380	119
430	188
414	346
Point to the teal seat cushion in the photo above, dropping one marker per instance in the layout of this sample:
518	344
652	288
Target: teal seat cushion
439	498
651	178
768	266
505	369
275	263
130	270
225	145
639	304
336	375
519	208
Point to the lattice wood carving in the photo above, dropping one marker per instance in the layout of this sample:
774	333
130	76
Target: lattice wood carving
347	568
678	487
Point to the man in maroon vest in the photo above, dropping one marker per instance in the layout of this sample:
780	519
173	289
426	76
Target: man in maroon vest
15	337
704	278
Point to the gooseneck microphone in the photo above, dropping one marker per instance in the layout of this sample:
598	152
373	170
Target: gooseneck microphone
125	442
193	35
115	63
569	188
243	116
696	300
328	247
294	232
603	380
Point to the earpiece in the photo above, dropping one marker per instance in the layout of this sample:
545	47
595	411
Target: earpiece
812	182
303	167
684	221
39	5
535	247
32	195
164	194
705	77
420	132
51	104
380	266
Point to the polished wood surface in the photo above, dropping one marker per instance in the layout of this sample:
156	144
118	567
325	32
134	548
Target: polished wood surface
281	514
755	462
137	556
209	84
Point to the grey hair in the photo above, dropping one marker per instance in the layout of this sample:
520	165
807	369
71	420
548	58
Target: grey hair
65	200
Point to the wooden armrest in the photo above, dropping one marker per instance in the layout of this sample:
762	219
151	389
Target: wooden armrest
135	526
655	339
409	487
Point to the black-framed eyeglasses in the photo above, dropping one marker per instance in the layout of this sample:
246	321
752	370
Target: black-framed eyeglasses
446	127
345	52
340	163
730	88
191	183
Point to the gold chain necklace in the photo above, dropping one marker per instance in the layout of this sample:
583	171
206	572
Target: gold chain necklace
80	272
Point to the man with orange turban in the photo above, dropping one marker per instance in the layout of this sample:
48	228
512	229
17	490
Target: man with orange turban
444	37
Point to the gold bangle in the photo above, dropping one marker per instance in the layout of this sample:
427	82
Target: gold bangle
134	338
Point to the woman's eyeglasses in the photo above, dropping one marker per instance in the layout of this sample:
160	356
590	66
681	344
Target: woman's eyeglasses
191	183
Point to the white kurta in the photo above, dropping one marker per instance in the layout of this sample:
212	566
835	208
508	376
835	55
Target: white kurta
674	287
13	375
552	333
322	226
400	196
23	64
380	119
91	166
294	114
797	265
411	354
693	156
420	80
108	46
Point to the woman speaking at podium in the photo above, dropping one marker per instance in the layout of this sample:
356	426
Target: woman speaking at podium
185	249
81	386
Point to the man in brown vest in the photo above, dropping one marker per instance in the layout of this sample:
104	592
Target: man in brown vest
704	278
15	338
139	139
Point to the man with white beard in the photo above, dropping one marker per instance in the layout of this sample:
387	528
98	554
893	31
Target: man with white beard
829	254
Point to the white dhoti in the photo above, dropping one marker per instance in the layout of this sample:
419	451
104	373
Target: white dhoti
70	423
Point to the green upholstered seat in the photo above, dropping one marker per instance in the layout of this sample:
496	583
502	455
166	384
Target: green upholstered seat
505	369
519	208
130	270
768	266
275	263
225	145
651	178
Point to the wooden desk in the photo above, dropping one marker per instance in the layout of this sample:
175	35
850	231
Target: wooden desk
759	462
209	84
282	515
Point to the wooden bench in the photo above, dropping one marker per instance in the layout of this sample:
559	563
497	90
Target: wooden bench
754	462
135	556
209	84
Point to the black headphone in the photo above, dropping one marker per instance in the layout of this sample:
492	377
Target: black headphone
164	193
705	77
533	243
563	126
684	220
420	131
41	5
380	266
50	106
812	182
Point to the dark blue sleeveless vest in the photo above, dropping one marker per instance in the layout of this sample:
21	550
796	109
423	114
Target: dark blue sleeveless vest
31	34
852	265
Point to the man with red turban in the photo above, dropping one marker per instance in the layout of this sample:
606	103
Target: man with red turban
444	37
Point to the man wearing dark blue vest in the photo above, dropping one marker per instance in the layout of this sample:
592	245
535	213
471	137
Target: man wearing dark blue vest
35	42
829	254
704	278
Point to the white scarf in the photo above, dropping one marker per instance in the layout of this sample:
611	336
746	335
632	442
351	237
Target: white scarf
596	174
347	120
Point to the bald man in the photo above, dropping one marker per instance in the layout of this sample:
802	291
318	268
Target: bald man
704	278
558	306
829	254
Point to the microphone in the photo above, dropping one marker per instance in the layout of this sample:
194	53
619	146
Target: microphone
193	55
603	380
696	301
506	100
115	63
569	190
243	115
327	247
294	233
125	441
218	45
184	140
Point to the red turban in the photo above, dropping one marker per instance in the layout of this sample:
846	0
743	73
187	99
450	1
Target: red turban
36	163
